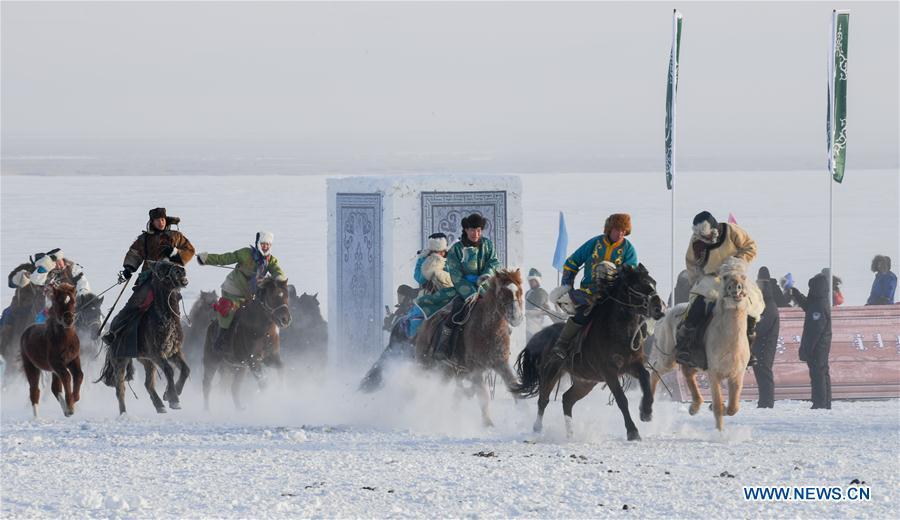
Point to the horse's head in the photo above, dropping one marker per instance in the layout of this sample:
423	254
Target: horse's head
733	277
305	309
506	287
63	307
208	298
168	275
274	297
90	314
636	288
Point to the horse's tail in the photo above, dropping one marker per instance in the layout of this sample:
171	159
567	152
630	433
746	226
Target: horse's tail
528	373
108	374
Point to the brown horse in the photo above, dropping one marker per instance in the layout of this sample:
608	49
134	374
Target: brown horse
53	346
612	346
484	338
159	340
252	339
305	343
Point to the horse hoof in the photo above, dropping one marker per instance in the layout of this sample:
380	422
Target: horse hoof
634	436
694	409
731	411
646	416
174	405
488	423
161	409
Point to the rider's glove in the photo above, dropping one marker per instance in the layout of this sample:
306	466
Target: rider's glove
579	297
125	273
201	258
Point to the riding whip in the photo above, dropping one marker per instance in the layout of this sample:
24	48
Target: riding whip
113	305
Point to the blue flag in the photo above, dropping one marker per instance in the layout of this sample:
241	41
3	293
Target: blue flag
562	243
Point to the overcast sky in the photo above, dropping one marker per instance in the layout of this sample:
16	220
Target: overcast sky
509	85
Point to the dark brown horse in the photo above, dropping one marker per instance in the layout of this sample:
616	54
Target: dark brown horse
252	340
304	344
612	346
159	340
87	323
484	339
53	346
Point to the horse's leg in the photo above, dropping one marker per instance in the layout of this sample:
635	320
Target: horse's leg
571	396
184	371
690	375
236	387
57	389
543	399
644	379
507	375
654	380
735	386
33	374
484	398
170	394
150	385
121	368
613	383
62	377
209	371
77	377
715	386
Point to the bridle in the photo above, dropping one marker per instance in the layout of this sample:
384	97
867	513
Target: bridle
270	311
643	302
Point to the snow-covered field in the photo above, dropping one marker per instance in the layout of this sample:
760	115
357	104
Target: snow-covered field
319	449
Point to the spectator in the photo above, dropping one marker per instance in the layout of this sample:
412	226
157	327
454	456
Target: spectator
885	283
766	340
815	344
781	299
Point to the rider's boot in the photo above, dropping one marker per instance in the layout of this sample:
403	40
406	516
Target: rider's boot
564	342
686	337
442	351
751	337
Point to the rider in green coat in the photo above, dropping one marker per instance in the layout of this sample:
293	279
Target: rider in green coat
472	257
253	264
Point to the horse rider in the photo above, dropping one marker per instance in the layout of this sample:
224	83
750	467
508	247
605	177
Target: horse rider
157	242
432	276
47	270
711	244
253	263
602	256
472	257
537	302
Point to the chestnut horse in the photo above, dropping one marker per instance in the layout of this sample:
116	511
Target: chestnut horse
53	346
252	340
484	339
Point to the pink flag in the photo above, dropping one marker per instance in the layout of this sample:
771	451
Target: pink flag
731	219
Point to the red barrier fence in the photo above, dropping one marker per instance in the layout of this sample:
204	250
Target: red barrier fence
864	360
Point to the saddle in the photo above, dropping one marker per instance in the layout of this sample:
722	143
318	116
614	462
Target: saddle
127	339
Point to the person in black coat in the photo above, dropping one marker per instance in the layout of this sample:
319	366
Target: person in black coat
781	299
815	344
766	342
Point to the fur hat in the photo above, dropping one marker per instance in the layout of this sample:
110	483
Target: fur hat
706	227
618	221
534	274
156	213
265	237
56	254
436	242
473	221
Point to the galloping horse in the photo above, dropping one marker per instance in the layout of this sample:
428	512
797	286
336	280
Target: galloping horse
159	340
53	346
198	320
484	337
725	341
611	346
305	341
88	320
253	339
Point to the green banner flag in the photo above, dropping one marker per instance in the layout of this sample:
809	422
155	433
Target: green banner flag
671	94
836	120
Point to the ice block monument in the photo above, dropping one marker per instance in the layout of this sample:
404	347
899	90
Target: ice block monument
376	225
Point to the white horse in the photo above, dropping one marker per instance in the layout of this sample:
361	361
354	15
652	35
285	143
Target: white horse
725	339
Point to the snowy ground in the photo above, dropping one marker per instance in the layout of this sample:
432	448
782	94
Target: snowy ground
325	451
313	451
